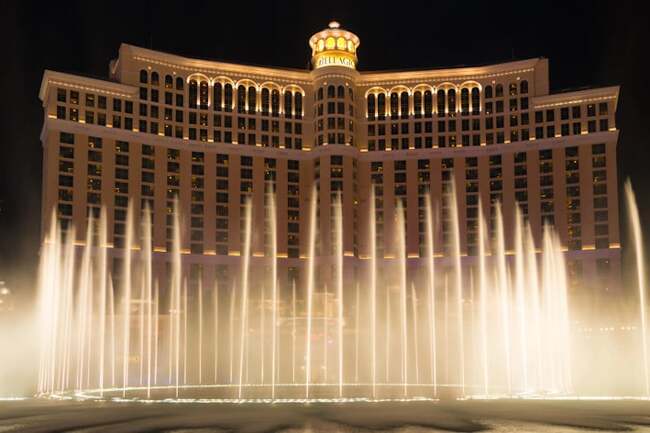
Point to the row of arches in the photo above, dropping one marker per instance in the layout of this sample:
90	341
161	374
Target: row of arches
334	92
421	103
425	100
247	99
513	89
245	95
154	80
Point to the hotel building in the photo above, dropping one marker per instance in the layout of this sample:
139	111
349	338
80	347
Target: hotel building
213	135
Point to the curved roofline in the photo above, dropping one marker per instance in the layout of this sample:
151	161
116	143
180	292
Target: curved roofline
213	66
365	77
576	97
451	72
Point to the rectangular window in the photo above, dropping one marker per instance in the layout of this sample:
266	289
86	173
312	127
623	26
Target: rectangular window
602	108
576	128
550	115
604	124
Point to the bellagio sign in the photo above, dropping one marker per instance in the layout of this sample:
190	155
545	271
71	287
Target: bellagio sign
346	61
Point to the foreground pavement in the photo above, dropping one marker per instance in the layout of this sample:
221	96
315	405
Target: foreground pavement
35	416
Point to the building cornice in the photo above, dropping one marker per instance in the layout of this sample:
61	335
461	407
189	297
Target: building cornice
576	97
215	68
212	68
102	87
449	74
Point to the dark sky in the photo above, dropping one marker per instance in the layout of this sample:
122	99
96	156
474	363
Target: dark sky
588	44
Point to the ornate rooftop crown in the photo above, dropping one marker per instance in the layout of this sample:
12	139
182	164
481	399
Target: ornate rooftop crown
334	46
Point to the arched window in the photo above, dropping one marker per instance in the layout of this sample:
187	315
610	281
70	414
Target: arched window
275	102
203	95
241	99
298	105
227	97
143	76
498	91
266	99
451	100
252	100
351	93
320	94
381	106
288	99
340	92
417	104
371	106
394	105
464	100
488	92
216	99
169	81
179	83
441	103
193	94
404	105
476	101
523	86
428	103
154	78
331	91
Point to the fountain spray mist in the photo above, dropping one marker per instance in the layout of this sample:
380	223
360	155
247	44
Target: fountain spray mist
520	341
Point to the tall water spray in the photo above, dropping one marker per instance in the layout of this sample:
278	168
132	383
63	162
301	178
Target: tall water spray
633	215
431	286
372	238
243	317
311	271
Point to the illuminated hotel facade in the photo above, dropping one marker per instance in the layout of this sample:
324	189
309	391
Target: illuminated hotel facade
214	135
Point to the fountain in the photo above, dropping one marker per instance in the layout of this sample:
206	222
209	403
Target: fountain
404	338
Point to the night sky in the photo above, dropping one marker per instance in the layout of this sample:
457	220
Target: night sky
589	44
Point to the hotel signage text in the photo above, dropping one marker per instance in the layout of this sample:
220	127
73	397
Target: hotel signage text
335	60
